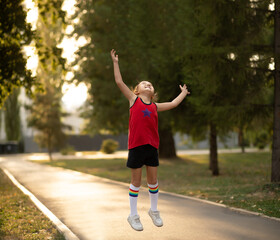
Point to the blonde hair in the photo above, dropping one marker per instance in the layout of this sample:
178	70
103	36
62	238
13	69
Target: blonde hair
135	91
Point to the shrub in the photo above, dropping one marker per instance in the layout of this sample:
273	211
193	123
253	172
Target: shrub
68	150
109	146
261	140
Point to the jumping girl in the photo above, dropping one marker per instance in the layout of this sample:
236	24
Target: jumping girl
143	141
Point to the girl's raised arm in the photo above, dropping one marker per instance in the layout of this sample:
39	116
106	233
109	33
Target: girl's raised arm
118	79
169	105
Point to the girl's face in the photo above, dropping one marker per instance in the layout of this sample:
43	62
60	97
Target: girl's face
146	86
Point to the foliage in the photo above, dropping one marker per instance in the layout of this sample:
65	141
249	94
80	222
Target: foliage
12	116
45	116
68	150
109	146
227	66
220	49
49	34
146	38
14	34
45	112
261	140
95	65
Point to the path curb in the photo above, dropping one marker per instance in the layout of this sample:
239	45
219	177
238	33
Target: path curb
62	228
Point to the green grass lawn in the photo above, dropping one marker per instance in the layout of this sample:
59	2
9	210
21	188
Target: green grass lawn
20	218
244	179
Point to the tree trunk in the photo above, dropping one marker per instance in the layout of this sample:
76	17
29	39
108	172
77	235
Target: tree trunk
167	144
241	139
213	150
275	164
50	154
50	146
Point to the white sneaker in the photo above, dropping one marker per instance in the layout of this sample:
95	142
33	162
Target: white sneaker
135	223
156	218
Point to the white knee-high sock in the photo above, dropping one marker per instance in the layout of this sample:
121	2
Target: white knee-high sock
133	197
153	192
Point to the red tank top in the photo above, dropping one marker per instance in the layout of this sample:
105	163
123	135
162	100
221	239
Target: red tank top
143	124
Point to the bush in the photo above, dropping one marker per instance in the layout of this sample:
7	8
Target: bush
261	140
68	150
109	146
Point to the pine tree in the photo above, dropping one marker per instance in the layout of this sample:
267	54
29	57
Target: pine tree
148	43
226	80
210	46
166	38
106	24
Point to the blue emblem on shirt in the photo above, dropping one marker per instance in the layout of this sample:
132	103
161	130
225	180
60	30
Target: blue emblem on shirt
147	113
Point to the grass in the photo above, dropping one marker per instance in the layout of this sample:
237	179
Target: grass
244	180
20	218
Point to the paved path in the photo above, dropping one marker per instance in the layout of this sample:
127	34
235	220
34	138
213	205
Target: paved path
96	209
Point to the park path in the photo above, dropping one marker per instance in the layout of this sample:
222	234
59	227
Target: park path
96	209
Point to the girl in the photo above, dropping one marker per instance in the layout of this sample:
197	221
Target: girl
143	141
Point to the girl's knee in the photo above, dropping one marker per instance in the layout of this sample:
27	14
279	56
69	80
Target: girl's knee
136	180
152	175
136	183
136	175
152	181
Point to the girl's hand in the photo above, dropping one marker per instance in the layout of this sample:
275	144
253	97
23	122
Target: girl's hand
185	89
115	57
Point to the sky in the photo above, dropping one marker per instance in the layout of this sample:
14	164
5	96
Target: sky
74	95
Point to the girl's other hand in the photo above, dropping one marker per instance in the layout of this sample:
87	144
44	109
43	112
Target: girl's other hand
184	89
115	57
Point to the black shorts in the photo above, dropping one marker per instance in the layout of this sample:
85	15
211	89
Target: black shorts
142	155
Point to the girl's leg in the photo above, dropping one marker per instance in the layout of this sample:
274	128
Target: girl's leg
153	186
136	174
134	190
153	192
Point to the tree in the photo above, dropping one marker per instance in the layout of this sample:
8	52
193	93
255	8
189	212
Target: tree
275	166
165	38
45	116
215	47
12	116
106	25
45	112
148	42
225	65
14	34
